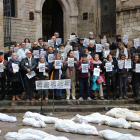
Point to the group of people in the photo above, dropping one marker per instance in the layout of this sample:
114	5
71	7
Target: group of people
111	53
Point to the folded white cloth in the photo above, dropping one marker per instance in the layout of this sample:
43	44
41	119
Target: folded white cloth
6	118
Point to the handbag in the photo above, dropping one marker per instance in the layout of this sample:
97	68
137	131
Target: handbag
100	79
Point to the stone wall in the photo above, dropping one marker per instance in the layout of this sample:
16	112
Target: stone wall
128	19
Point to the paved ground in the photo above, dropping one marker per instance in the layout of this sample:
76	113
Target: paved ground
14	127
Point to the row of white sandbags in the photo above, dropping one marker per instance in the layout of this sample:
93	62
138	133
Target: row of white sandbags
71	127
124	113
32	122
39	117
31	134
6	118
113	135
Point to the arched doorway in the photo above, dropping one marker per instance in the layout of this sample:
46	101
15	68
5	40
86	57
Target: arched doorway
52	19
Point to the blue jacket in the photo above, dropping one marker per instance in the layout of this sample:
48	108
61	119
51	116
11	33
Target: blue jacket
55	49
94	84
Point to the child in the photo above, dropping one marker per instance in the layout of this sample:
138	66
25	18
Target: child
123	74
42	76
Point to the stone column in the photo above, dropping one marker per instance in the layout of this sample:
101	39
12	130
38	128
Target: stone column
1	27
73	20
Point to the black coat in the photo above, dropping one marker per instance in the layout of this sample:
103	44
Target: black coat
13	77
93	51
7	55
114	45
25	65
100	66
81	47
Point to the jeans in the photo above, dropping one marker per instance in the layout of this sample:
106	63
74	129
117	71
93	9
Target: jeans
15	88
45	91
22	80
3	80
83	82
122	85
113	84
58	92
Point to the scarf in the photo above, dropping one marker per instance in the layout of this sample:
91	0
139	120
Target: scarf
15	61
97	62
2	60
30	61
125	52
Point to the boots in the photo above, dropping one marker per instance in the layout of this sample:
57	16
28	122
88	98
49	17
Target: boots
108	96
59	97
13	98
17	98
114	96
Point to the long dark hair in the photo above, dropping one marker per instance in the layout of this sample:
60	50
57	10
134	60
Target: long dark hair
106	38
27	39
68	54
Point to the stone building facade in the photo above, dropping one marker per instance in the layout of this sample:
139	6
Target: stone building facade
79	16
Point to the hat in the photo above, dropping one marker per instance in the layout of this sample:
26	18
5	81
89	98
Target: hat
82	38
84	55
73	34
1	53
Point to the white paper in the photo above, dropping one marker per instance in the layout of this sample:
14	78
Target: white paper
120	64
60	84
9	58
103	42
107	53
58	40
46	84
68	48
57	64
98	48
16	49
136	42
51	43
53	84
138	68
50	58
72	37
28	46
128	63
96	72
31	75
15	67
1	67
108	67
84	68
39	85
125	38
67	84
43	53
41	67
76	54
93	40
36	53
70	62
86	42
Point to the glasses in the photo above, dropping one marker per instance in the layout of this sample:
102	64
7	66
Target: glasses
29	53
35	44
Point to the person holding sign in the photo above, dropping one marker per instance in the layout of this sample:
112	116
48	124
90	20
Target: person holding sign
107	41
75	49
105	52
123	74
42	76
28	65
91	48
26	40
71	74
110	66
97	64
55	45
57	73
81	47
84	75
40	44
14	76
62	52
136	77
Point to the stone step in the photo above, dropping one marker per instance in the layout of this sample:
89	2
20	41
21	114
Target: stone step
67	108
36	96
67	102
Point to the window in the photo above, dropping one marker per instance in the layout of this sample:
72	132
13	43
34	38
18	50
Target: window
85	16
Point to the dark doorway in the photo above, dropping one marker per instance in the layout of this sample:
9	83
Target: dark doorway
108	17
52	19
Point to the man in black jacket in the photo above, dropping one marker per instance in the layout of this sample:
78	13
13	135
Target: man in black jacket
28	65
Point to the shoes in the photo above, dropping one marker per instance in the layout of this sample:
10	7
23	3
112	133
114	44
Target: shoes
102	98
89	98
125	97
17	98
27	99
81	99
67	98
120	97
95	98
46	98
4	100
39	99
114	96
32	99
73	98
59	97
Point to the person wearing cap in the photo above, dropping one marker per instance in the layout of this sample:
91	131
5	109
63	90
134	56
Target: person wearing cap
115	43
29	64
81	47
3	75
84	77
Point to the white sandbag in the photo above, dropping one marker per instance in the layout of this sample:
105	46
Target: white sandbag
113	135
39	124
11	136
130	116
70	126
28	136
50	119
119	123
136	125
6	118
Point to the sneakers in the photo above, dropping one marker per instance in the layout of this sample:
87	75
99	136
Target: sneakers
32	99
73	98
120	97
81	99
125	97
89	98
67	98
95	98
102	98
27	99
4	100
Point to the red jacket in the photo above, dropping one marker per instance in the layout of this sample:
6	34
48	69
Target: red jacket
84	75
